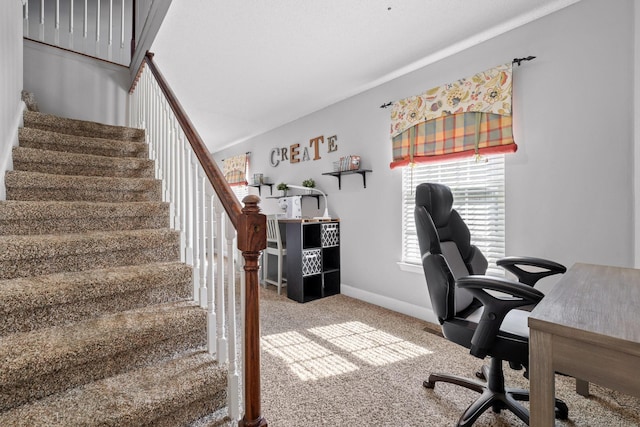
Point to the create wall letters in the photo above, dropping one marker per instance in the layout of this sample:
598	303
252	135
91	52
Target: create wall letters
293	154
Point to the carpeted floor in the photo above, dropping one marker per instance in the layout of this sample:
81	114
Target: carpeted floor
339	362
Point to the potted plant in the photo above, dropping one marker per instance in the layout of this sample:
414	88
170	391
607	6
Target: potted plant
283	187
309	183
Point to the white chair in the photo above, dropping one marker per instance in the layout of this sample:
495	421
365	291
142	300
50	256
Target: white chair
274	247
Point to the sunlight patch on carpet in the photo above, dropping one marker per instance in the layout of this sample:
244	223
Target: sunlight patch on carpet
306	358
369	344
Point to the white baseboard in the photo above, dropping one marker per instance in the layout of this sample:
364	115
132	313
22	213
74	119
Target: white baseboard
12	141
390	303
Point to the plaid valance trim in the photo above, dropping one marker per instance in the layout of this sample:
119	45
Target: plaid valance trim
236	178
454	136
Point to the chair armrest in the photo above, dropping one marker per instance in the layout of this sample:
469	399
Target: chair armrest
495	308
546	268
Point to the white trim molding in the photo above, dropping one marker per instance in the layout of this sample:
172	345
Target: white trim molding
403	307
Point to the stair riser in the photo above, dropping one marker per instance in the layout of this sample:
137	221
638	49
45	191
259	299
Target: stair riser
13	268
30	138
83	170
83	225
180	385
99	368
35	186
183	415
85	194
81	128
76	311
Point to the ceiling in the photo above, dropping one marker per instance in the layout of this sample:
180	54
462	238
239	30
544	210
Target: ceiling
241	68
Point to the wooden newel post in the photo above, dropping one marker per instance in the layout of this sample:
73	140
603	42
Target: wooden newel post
252	238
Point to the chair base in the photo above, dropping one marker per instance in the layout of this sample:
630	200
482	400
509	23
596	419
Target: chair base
495	396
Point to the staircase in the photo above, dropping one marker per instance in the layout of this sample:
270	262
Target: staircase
96	323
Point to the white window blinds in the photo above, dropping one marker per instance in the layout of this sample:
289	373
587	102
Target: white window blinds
478	196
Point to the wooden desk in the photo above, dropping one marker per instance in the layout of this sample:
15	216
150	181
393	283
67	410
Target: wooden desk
588	327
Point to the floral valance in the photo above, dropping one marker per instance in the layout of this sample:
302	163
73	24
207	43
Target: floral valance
235	169
467	117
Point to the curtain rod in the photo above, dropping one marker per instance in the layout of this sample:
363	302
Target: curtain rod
248	153
515	61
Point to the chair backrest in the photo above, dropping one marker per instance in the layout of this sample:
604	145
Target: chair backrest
445	246
273	230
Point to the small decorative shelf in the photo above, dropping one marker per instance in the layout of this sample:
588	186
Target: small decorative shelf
266	184
339	174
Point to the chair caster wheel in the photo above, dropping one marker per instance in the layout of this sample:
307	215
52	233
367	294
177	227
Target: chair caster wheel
428	384
562	411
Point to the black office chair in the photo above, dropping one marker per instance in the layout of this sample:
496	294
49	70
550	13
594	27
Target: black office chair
469	315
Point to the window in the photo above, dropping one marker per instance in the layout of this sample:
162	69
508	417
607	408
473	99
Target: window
478	196
241	191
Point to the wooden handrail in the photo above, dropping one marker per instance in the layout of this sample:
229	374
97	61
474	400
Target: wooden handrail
251	228
230	202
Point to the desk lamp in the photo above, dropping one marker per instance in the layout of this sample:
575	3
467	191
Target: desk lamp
326	207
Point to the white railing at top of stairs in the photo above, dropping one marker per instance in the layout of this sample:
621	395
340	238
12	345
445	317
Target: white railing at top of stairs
207	236
97	28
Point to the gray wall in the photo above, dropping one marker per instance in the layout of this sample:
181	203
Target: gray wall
570	192
636	133
11	105
72	85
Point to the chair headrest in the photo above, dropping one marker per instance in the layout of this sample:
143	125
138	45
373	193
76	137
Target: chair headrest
437	200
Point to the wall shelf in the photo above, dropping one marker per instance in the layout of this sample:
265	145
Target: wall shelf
266	184
339	174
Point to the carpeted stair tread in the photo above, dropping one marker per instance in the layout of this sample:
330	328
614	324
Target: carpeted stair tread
56	348
61	163
46	361
43	301
76	127
29	255
46	217
23	185
136	398
55	141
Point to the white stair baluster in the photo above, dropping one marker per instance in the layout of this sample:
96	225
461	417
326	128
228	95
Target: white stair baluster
188	203
180	192
41	26
196	231
85	21
220	288
110	40
172	168
232	376
123	56
211	307
25	18
175	171
71	36
56	24
202	238
98	28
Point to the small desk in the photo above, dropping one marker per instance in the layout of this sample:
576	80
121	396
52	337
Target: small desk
587	327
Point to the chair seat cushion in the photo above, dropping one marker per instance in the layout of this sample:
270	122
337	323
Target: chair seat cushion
512	342
515	322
